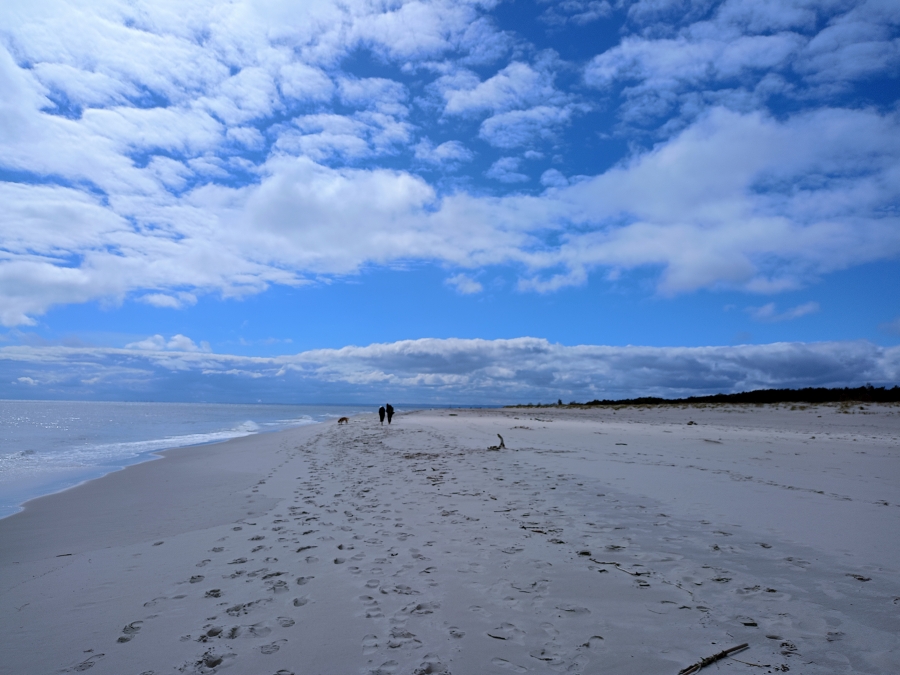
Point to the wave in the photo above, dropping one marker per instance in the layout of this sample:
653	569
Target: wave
94	454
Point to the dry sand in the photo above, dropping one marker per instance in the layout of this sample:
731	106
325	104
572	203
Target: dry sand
601	541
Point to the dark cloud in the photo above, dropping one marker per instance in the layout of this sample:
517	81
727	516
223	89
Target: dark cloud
440	371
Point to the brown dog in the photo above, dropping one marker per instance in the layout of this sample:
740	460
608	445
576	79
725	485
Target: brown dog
344	420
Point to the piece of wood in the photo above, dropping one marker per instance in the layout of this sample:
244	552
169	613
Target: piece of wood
702	663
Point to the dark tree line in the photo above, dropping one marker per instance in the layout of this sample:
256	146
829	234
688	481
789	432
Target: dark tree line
866	394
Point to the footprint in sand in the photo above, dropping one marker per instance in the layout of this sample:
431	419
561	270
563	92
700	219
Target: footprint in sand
431	667
210	632
373	611
87	663
507	631
278	586
400	637
130	631
547	656
259	630
508	665
386	668
370	644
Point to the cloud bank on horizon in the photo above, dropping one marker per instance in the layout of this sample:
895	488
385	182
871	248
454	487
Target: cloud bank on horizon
157	153
453	371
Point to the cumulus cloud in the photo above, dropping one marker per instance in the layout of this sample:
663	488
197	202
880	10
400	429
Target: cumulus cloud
514	370
740	52
177	343
518	85
447	153
738	200
520	127
506	170
158	152
523	101
579	12
554	178
464	284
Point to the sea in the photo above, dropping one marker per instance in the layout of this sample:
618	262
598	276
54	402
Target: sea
49	446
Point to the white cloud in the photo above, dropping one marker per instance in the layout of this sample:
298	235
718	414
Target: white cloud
364	134
182	343
579	12
734	53
464	284
511	370
171	150
374	92
769	313
26	380
553	178
523	101
447	153
506	170
743	201
521	127
177	343
516	86
175	301
304	82
152	343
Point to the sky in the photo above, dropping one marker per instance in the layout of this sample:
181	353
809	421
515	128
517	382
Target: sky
455	202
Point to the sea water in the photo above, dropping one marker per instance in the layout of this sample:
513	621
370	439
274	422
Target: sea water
48	446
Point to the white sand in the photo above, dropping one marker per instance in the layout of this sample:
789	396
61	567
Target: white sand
598	542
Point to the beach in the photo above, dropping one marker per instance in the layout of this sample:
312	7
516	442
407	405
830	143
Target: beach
604	540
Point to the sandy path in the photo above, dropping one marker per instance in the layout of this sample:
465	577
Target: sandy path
413	549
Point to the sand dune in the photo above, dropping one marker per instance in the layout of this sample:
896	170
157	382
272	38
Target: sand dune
602	541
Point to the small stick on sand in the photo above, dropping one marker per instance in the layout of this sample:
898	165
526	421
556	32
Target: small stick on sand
619	567
711	659
502	445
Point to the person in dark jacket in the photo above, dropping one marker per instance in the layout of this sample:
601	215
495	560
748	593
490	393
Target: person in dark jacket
390	412
381	415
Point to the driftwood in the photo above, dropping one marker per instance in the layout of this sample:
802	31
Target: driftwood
712	659
502	445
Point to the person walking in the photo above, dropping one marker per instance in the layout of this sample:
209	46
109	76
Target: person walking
381	415
390	412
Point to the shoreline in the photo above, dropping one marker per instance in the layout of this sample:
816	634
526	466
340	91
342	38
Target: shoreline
625	541
48	463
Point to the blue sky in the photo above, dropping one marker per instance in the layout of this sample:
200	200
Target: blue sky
447	201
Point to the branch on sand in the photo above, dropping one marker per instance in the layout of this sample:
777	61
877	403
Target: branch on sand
712	659
502	445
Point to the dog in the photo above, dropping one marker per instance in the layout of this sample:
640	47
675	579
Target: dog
344	420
